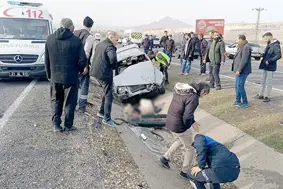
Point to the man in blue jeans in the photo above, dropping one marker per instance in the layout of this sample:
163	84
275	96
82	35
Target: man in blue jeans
188	54
169	47
242	67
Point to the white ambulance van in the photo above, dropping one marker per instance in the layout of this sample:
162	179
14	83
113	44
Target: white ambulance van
24	28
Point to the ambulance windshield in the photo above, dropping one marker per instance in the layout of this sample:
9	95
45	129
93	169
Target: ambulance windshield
24	29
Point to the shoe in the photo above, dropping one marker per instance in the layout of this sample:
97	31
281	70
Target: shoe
166	82
109	123
100	115
181	73
266	99
187	73
82	110
58	128
165	162
184	175
281	123
218	88
237	104
244	106
207	79
68	129
259	97
212	87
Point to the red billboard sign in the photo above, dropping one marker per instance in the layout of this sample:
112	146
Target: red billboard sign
207	25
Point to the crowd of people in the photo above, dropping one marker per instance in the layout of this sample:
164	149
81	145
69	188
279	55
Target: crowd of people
71	57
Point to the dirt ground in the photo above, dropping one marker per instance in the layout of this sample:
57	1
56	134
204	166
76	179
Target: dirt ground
120	170
260	120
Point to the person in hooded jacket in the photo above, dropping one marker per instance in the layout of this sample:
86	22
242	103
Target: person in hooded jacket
268	66
88	41
216	164
65	58
242	67
180	119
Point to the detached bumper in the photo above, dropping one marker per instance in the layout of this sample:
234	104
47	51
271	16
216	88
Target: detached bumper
30	71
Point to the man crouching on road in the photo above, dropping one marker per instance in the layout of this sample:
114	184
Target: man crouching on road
103	64
216	164
180	119
64	60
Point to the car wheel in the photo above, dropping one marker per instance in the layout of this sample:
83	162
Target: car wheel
257	58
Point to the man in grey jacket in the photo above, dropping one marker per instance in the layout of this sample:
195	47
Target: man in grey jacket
242	67
215	55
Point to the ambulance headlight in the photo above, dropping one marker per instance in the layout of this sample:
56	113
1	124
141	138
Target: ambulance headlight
42	59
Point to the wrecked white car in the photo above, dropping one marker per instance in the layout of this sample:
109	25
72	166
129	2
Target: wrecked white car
136	74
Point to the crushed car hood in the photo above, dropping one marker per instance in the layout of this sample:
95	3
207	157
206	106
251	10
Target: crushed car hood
139	74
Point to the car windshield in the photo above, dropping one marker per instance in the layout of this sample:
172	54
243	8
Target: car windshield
21	28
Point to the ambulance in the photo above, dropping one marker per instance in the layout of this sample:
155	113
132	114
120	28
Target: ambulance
24	28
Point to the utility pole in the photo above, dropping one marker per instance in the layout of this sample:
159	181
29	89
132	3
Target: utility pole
257	22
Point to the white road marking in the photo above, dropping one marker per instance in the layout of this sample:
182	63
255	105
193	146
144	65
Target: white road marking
229	77
11	110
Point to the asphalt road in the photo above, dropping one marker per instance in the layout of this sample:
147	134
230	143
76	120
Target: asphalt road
254	77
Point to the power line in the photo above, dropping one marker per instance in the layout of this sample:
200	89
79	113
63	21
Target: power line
259	10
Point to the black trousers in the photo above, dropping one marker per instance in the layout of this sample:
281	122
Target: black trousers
63	96
214	78
107	99
205	176
164	70
202	66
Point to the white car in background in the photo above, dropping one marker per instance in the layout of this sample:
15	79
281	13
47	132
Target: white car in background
257	50
136	74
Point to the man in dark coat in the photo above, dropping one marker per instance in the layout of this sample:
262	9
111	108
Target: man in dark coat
202	53
170	47
146	44
64	60
163	40
87	40
180	119
216	164
268	66
215	55
187	54
103	64
242	67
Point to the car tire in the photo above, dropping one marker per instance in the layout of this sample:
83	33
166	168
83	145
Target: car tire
257	58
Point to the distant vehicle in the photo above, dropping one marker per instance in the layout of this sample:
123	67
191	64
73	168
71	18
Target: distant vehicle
134	37
136	74
97	36
156	43
257	50
24	28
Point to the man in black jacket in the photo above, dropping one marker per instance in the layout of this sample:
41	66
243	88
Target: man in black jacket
87	40
187	54
64	60
215	55
216	164
146	44
268	66
103	64
180	119
163	40
202	53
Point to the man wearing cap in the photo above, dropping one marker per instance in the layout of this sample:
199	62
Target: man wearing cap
88	41
64	60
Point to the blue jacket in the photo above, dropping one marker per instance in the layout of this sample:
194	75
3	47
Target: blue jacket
272	54
216	156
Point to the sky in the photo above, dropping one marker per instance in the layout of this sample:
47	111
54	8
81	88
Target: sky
127	13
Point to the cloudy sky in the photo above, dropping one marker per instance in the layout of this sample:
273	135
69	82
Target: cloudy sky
138	12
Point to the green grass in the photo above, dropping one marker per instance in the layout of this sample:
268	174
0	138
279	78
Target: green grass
260	120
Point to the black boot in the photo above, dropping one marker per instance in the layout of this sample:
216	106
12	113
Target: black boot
58	128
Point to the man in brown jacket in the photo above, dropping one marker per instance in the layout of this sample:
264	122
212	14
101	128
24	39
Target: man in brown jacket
180	119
